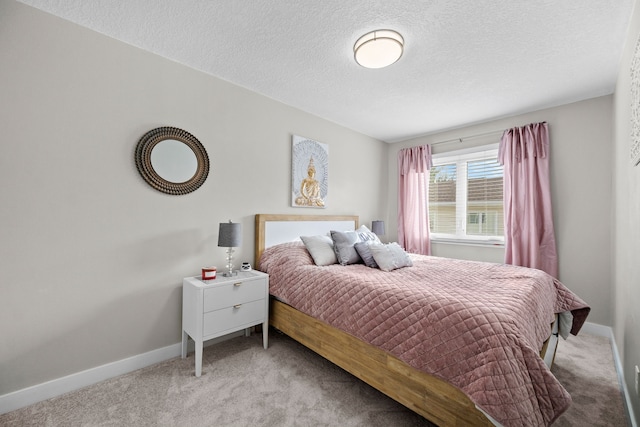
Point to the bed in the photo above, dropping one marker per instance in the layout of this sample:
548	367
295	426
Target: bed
398	362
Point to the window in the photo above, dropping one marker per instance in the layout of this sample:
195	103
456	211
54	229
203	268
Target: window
465	195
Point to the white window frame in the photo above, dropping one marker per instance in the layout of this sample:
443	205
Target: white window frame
461	157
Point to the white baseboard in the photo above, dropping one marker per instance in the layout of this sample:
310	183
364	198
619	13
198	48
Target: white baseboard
606	331
37	393
599	330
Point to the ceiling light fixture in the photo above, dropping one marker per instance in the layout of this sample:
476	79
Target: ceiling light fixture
378	49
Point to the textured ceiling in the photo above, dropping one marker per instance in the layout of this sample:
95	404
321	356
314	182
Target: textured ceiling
464	61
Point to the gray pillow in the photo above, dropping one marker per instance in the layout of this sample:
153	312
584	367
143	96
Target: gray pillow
321	249
390	256
365	253
343	245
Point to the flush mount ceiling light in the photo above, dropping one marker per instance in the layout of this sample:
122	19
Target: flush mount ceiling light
378	49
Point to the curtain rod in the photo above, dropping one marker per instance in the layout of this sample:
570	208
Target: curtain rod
460	140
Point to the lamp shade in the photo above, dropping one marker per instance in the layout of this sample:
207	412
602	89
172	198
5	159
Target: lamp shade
377	227
230	234
378	49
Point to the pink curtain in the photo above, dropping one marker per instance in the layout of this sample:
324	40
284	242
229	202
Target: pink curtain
413	189
528	222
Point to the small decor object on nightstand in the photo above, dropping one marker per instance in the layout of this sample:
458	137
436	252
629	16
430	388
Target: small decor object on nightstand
229	236
208	273
246	266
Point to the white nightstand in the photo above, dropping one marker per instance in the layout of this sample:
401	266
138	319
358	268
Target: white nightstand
213	308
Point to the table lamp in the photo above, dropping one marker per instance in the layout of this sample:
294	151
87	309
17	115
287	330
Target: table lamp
377	227
230	236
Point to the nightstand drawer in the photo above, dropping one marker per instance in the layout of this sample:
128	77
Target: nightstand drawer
238	292
233	317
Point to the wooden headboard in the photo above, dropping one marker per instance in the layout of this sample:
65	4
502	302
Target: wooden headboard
272	229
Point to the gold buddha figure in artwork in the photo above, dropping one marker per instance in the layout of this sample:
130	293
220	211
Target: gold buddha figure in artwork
310	189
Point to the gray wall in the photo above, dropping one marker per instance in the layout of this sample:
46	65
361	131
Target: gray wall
91	257
580	158
626	222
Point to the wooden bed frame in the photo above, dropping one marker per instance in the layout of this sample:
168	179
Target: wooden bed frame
431	397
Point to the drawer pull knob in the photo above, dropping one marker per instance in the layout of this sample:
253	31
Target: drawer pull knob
237	284
237	306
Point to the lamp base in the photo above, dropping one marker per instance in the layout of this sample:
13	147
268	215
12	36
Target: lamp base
229	271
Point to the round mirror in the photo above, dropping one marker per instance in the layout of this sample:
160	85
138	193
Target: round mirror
172	160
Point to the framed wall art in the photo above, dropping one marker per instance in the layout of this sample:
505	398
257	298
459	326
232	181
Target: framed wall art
635	106
309	173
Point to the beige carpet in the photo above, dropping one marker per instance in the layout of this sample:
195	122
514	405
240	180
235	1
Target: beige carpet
287	385
584	365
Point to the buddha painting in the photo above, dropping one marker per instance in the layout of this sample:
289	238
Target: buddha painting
309	173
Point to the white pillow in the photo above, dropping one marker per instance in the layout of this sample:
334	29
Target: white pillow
390	256
321	249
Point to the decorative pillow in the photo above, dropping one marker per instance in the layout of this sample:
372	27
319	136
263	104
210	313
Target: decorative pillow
390	256
343	242
321	249
365	253
367	235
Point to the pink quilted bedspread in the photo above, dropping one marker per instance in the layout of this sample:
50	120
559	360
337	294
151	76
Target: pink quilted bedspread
479	326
